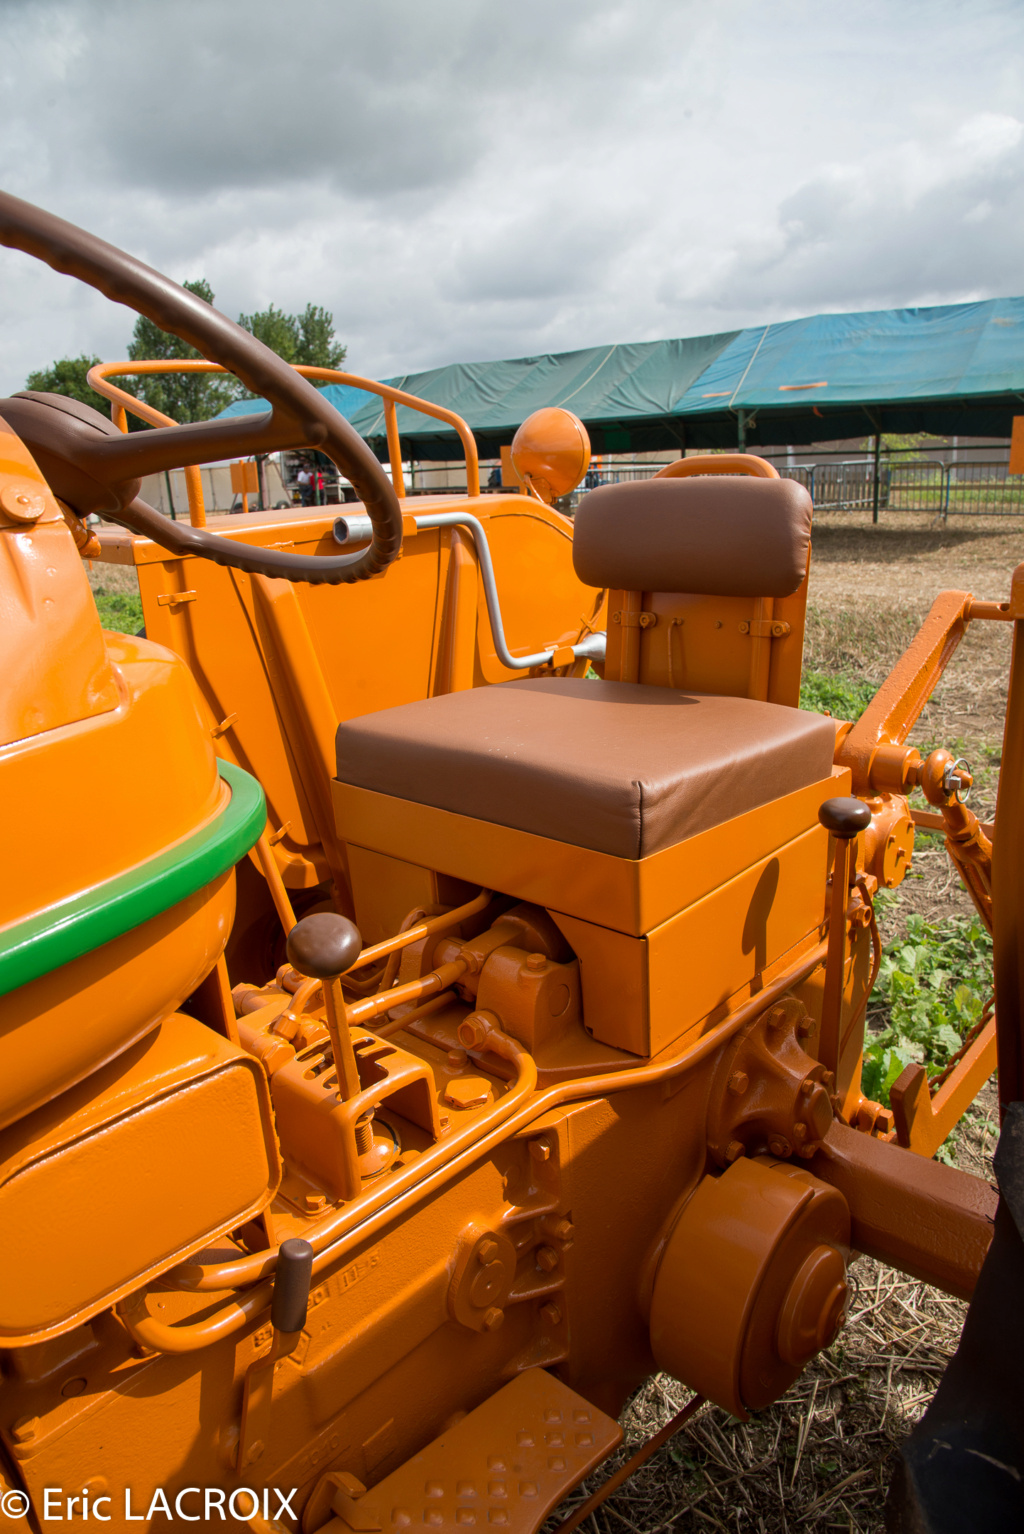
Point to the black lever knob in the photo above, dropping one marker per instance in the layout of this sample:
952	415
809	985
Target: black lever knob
291	1285
844	817
324	945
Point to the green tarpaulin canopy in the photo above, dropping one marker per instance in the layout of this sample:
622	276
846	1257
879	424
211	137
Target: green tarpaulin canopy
957	369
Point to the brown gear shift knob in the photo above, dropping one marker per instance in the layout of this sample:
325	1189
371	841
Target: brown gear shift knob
844	817
324	945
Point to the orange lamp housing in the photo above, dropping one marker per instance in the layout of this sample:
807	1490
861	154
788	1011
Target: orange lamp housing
551	452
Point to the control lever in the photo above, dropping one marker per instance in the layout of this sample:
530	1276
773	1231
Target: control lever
288	1308
292	1279
844	819
324	946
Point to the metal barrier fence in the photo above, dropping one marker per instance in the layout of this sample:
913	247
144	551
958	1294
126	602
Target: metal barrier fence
942	489
983	489
836	486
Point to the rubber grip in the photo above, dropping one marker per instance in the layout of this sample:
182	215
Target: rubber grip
291	1285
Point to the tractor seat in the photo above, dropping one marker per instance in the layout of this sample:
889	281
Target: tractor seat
619	768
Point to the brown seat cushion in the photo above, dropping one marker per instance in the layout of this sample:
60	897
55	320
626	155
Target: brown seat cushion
614	766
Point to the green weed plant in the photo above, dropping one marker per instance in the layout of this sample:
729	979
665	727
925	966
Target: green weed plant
119	610
842	696
933	984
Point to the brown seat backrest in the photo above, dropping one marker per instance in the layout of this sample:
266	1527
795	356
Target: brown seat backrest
707	581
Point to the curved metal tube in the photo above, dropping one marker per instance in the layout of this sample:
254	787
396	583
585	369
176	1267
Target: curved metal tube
421	929
182	538
357	529
719	463
185	1339
392	396
103	371
362	1220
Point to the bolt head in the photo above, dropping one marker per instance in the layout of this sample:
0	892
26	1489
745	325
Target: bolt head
487	1251
540	1150
780	1146
551	1314
734	1150
547	1258
23	503
536	961
739	1081
493	1319
472	1031
487	1286
467	1092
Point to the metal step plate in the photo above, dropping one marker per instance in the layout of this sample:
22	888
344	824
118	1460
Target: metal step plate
505	1466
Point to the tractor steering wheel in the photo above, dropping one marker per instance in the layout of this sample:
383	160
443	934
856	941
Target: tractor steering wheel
95	467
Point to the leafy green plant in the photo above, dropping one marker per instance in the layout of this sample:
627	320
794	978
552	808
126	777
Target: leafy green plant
934	983
119	610
842	696
68	376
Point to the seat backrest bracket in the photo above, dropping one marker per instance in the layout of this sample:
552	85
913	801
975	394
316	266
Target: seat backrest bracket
765	628
635	620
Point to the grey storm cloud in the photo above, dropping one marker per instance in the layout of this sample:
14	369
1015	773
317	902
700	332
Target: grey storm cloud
470	178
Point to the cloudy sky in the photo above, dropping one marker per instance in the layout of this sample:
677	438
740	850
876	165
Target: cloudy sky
467	179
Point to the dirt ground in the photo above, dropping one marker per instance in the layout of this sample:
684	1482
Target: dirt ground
822	1457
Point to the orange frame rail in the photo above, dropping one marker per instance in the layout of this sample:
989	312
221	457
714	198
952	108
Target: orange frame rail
121	402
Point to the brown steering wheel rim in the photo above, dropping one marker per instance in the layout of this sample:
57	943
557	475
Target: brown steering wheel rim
300	416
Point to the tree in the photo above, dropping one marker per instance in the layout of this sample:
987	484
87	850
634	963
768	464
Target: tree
275	329
318	347
68	377
182	396
306	338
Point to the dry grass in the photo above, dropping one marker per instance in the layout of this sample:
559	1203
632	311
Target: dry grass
870	590
872	586
822	1457
104	577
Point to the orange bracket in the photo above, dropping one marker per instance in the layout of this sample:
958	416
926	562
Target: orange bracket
923	1121
891	714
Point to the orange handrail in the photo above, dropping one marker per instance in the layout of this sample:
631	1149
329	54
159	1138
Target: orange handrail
719	463
393	397
122	401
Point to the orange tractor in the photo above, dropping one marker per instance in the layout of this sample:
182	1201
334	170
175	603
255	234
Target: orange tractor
411	1040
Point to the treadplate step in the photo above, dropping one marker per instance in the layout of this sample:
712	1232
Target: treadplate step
504	1466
